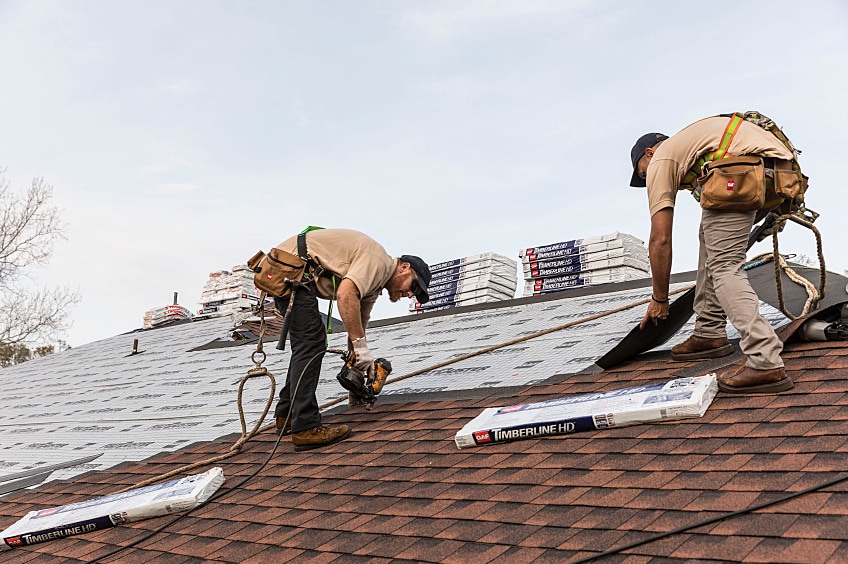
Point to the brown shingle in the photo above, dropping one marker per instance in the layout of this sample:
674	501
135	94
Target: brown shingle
399	488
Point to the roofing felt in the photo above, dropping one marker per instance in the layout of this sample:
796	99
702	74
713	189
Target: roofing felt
403	488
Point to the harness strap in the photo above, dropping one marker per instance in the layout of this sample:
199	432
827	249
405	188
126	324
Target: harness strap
726	138
315	270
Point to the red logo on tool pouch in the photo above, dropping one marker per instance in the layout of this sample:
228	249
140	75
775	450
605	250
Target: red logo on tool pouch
270	276
482	437
730	185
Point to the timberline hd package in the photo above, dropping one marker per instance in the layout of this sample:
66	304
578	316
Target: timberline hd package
576	243
470	263
631	244
537	286
678	399
103	512
470	298
560	268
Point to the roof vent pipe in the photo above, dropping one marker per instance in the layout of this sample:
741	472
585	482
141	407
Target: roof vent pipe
175	298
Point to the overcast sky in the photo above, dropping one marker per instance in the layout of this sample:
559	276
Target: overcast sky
181	137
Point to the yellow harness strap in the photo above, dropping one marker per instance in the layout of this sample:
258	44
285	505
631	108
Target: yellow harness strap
731	129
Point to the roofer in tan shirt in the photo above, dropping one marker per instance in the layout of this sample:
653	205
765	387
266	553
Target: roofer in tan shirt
722	290
362	270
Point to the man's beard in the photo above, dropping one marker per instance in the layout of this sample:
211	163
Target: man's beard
393	288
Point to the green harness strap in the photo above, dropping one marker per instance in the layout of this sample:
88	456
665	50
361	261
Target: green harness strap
333	277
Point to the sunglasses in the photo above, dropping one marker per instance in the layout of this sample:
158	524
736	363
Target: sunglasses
415	287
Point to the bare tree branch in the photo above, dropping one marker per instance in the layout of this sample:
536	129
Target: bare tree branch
29	226
36	316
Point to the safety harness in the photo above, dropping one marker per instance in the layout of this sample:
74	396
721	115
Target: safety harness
315	270
736	119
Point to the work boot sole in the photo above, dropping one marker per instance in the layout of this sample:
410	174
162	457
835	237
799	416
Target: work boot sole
703	355
773	388
300	448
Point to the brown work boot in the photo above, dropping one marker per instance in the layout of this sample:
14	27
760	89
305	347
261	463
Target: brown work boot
698	348
281	421
322	435
747	380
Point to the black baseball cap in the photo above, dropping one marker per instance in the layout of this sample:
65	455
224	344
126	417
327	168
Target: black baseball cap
646	141
422	275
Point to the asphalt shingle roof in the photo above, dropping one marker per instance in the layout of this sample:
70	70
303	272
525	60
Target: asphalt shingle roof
399	489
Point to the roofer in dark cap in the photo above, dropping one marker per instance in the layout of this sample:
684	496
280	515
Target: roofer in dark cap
666	165
354	269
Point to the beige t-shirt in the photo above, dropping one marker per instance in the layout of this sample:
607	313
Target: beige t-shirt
679	153
348	254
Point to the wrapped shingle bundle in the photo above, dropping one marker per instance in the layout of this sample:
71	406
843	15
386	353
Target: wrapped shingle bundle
227	291
159	316
470	280
614	257
164	498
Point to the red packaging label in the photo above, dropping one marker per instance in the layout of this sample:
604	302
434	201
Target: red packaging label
482	437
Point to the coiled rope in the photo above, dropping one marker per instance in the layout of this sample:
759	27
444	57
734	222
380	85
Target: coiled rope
257	371
813	296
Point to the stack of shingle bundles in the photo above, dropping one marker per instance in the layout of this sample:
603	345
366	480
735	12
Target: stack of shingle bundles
487	277
614	257
163	315
226	292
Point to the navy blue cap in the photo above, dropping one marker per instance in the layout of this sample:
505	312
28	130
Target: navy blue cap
422	272
645	142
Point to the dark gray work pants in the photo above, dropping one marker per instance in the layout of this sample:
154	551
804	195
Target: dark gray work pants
307	335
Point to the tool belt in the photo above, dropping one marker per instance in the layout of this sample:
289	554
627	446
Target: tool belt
273	272
733	184
748	183
720	181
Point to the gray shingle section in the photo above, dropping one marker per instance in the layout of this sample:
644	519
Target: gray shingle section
98	398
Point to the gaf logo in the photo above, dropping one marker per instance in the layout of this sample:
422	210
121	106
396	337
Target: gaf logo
482	437
14	541
730	185
269	276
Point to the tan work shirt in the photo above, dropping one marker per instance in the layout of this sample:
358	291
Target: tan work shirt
348	254
679	153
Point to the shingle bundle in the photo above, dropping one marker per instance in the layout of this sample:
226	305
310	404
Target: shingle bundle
614	257
487	277
226	292
159	316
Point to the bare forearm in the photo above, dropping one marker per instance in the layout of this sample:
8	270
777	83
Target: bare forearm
349	309
660	251
660	255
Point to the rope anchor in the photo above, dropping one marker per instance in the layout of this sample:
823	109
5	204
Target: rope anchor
805	218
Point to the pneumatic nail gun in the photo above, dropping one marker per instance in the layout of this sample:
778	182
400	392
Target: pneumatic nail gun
363	388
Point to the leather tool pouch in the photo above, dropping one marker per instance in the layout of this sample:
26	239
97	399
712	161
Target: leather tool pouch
271	271
788	182
733	184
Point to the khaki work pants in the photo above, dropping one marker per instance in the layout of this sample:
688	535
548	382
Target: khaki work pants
722	290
